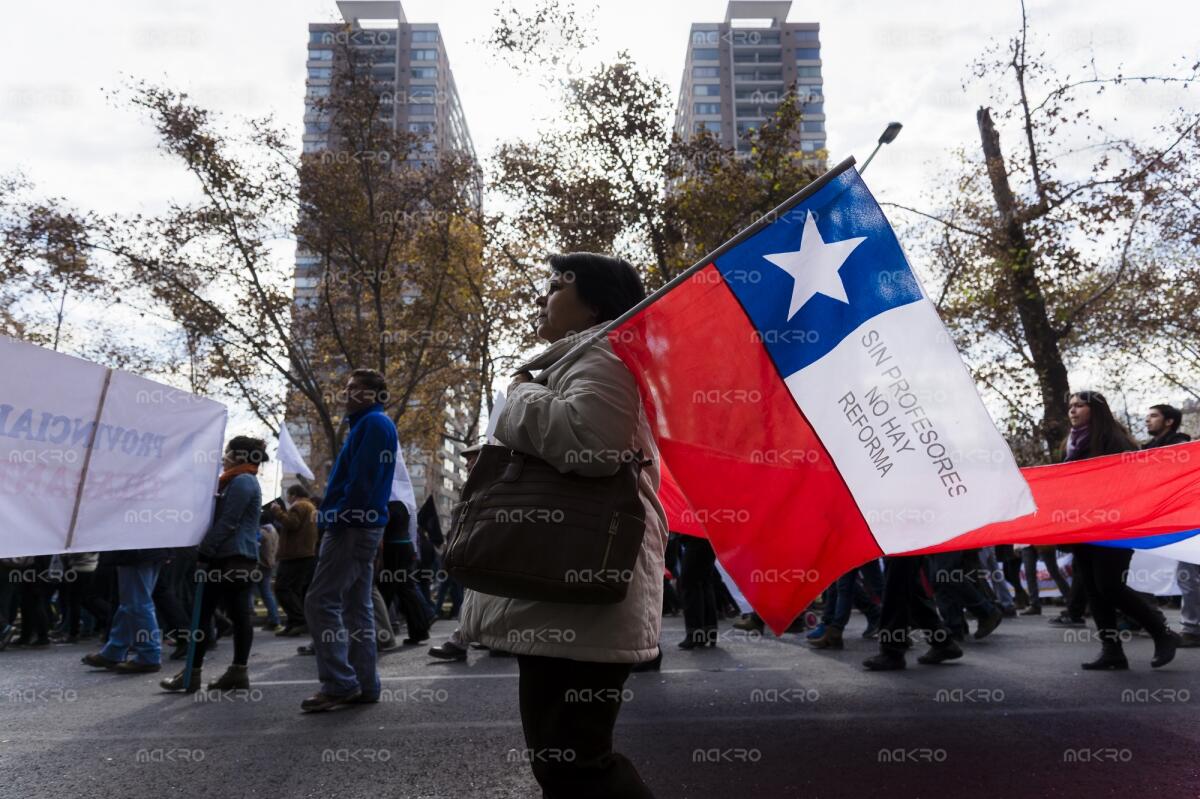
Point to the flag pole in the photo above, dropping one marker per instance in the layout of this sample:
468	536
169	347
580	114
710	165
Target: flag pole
766	219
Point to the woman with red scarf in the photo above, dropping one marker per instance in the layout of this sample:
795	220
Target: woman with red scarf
228	562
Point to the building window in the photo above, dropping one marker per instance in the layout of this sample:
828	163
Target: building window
320	73
424	55
424	73
706	72
812	127
806	36
707	90
705	54
812	108
708	108
811	146
811	53
425	37
318	91
706	37
712	127
420	127
320	55
421	109
808	93
808	72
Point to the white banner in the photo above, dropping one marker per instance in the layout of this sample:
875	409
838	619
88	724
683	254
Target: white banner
97	459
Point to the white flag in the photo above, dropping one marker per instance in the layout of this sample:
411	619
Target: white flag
289	457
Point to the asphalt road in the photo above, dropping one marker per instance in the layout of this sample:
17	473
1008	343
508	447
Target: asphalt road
754	718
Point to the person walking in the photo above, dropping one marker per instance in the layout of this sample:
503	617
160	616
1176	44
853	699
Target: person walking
1162	423
338	607
1102	569
228	564
297	555
581	414
134	626
908	605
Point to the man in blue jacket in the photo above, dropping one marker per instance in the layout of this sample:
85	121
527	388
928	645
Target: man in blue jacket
338	605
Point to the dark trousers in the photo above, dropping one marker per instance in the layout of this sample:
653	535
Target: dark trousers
1010	562
1101	571
173	616
8	595
291	584
697	584
398	583
906	604
568	711
955	590
77	595
35	601
229	585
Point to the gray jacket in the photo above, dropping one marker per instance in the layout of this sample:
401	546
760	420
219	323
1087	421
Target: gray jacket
579	417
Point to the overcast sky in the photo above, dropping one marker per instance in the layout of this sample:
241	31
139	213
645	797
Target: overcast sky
882	61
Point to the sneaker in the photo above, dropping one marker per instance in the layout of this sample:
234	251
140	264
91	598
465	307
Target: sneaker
872	629
98	661
816	632
320	702
1186	641
1032	610
448	651
136	667
750	623
1064	619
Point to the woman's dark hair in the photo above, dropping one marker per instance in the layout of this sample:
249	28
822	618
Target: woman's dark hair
1106	436
608	285
1171	414
246	449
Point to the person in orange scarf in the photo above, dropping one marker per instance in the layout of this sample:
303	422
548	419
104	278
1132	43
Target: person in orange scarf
228	562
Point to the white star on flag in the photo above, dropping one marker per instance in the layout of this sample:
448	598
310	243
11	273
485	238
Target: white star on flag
814	267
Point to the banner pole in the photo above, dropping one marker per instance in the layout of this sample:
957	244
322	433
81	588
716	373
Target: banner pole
87	459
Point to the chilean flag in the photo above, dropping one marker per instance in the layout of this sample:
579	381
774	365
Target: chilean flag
809	403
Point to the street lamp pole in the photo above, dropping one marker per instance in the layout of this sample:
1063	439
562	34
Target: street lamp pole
887	137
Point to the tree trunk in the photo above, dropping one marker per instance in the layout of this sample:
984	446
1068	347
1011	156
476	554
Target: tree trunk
1026	292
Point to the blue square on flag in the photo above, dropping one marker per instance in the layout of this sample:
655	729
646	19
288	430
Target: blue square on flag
813	276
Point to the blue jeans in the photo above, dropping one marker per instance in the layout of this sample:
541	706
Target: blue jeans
263	587
134	625
340	612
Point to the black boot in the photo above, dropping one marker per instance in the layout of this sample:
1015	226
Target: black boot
235	678
176	683
1112	658
1164	649
696	639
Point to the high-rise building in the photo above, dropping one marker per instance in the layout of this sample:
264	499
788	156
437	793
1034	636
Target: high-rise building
410	70
408	62
737	71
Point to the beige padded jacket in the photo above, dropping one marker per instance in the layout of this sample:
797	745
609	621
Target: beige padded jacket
579	416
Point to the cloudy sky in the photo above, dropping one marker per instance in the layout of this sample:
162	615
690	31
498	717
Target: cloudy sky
882	61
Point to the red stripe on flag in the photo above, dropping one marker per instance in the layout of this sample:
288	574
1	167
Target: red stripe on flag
756	476
1130	495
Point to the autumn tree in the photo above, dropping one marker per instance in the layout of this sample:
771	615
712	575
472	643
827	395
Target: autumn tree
1049	242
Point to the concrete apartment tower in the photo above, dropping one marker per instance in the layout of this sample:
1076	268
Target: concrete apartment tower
409	64
737	71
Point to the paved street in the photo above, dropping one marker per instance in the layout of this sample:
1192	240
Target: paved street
754	718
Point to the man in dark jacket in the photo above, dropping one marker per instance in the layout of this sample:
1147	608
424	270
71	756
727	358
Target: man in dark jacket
1162	423
338	607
